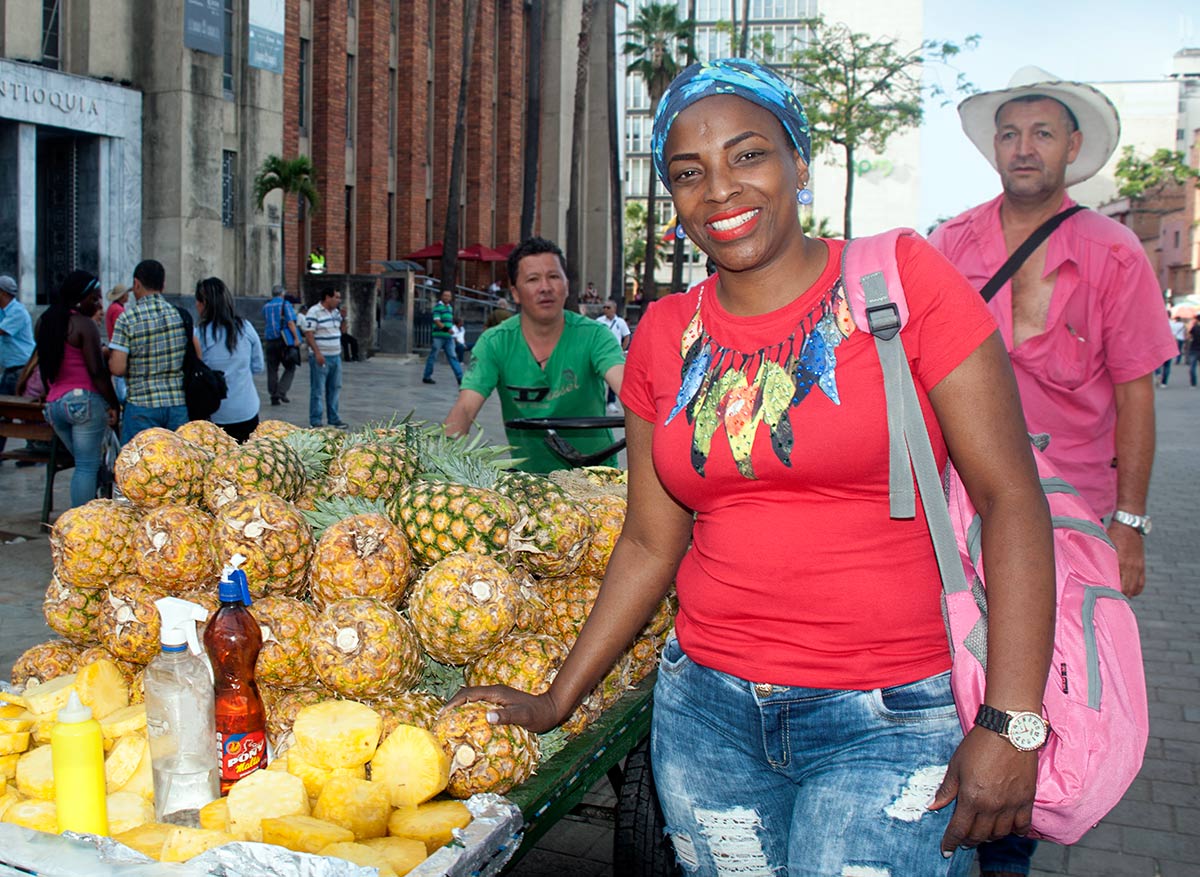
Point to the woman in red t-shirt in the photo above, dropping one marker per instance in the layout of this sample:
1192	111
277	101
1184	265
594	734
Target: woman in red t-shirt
803	718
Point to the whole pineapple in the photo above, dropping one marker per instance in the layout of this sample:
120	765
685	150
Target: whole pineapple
287	626
555	533
362	648
607	512
484	757
173	547
526	662
364	555
208	436
129	620
369	468
607	692
643	657
462	606
570	600
157	467
73	613
267	465
92	544
531	607
416	708
273	537
46	661
278	429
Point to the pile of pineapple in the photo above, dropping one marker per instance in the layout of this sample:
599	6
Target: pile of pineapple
388	566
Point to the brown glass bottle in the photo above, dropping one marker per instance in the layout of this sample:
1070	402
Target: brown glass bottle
232	640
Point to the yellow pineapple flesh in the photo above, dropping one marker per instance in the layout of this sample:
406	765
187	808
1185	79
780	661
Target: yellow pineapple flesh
337	733
358	805
303	834
411	764
431	823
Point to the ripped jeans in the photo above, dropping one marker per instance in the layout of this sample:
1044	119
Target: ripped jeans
759	780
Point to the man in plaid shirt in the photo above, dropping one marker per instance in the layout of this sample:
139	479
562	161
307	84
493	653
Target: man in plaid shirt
147	347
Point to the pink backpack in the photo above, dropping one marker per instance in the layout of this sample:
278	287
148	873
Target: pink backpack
1095	698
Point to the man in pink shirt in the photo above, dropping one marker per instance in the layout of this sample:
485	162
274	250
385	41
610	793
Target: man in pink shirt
1081	317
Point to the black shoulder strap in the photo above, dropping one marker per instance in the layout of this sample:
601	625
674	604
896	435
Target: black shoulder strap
1023	252
189	349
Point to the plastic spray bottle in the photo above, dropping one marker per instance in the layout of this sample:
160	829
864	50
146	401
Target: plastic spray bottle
77	754
179	717
233	639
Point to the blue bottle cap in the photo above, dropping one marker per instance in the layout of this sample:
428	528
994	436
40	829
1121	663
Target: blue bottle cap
234	587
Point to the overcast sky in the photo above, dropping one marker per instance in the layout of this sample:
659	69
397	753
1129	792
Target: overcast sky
1093	41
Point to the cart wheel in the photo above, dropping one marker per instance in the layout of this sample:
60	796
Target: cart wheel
641	847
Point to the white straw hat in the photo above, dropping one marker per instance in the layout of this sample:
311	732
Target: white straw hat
1095	113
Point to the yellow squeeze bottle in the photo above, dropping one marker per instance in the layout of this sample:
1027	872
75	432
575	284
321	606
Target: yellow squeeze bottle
77	754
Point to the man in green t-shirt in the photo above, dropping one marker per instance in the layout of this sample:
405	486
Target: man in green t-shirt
545	362
443	321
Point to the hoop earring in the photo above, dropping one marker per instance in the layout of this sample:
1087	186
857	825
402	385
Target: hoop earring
804	196
680	233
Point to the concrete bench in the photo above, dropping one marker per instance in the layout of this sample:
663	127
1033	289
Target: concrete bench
23	418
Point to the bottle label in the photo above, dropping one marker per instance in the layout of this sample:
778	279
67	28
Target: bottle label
241	754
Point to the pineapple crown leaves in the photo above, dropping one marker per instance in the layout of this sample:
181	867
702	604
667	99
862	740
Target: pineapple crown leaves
551	743
310	447
460	459
441	680
327	512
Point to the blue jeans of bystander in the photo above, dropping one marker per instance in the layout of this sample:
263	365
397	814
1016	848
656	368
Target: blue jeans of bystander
768	779
138	417
325	385
447	344
80	419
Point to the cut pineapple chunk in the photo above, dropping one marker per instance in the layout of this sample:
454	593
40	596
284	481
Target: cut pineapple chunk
49	697
304	834
183	843
215	815
8	766
360	854
102	686
124	721
14	718
146	839
127	810
14	744
35	774
7	800
315	777
142	781
337	733
402	853
359	805
412	764
31	813
279	762
263	794
433	823
122	762
42	726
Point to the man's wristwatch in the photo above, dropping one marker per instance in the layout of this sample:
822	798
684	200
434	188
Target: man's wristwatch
1025	730
1141	523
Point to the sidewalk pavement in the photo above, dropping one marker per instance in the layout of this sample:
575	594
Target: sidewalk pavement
1153	832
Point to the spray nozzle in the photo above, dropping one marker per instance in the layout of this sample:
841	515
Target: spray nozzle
179	619
234	587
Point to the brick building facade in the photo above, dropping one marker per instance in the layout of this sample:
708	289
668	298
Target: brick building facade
370	93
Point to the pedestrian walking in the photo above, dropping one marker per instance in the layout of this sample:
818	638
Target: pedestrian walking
443	339
282	347
620	330
16	338
230	345
323	332
1193	348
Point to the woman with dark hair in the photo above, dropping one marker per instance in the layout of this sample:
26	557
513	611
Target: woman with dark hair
80	401
229	344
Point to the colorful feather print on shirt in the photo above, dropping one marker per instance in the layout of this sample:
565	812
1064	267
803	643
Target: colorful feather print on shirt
739	392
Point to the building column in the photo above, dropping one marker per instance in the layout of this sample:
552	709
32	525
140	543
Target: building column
27	212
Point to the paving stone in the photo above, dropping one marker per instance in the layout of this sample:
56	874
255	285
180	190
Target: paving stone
1098	863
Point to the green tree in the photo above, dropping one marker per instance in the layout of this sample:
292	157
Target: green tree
859	90
653	42
635	241
1140	177
294	176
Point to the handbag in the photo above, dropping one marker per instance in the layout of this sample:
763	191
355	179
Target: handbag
1095	695
291	356
203	387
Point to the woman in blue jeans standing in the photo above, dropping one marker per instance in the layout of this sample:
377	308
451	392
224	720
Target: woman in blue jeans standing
804	723
81	404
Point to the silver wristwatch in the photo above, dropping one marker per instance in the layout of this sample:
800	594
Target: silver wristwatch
1141	523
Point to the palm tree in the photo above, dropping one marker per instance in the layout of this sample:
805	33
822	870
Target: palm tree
678	260
294	176
653	42
578	126
616	280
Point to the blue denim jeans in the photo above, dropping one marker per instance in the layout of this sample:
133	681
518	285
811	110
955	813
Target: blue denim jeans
138	417
1010	855
325	385
80	419
446	344
807	782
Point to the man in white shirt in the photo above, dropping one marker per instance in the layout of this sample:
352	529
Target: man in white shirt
620	330
323	332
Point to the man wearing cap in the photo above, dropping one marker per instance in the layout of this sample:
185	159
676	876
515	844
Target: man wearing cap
1081	317
283	343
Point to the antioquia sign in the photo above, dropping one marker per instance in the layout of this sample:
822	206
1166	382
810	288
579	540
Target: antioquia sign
65	101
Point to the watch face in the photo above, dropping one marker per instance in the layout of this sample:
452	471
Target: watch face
1146	525
1027	731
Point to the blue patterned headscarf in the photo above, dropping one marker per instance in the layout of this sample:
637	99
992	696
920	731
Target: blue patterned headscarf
746	79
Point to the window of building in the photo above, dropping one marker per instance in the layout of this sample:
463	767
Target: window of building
302	86
1176	240
52	34
637	177
350	92
350	8
227	70
391	112
636	95
350	229
637	133
391	226
228	184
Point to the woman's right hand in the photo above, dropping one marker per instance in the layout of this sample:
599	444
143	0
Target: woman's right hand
536	712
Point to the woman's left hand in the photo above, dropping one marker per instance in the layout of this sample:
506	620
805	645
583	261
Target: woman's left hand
994	783
113	416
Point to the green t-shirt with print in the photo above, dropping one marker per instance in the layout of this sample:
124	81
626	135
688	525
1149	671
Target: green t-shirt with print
444	313
571	385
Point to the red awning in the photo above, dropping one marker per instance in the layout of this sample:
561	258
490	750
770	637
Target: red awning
430	251
473	253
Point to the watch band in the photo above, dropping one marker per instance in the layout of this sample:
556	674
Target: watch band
992	719
1141	523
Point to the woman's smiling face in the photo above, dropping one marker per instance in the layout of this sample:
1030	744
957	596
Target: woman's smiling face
734	175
